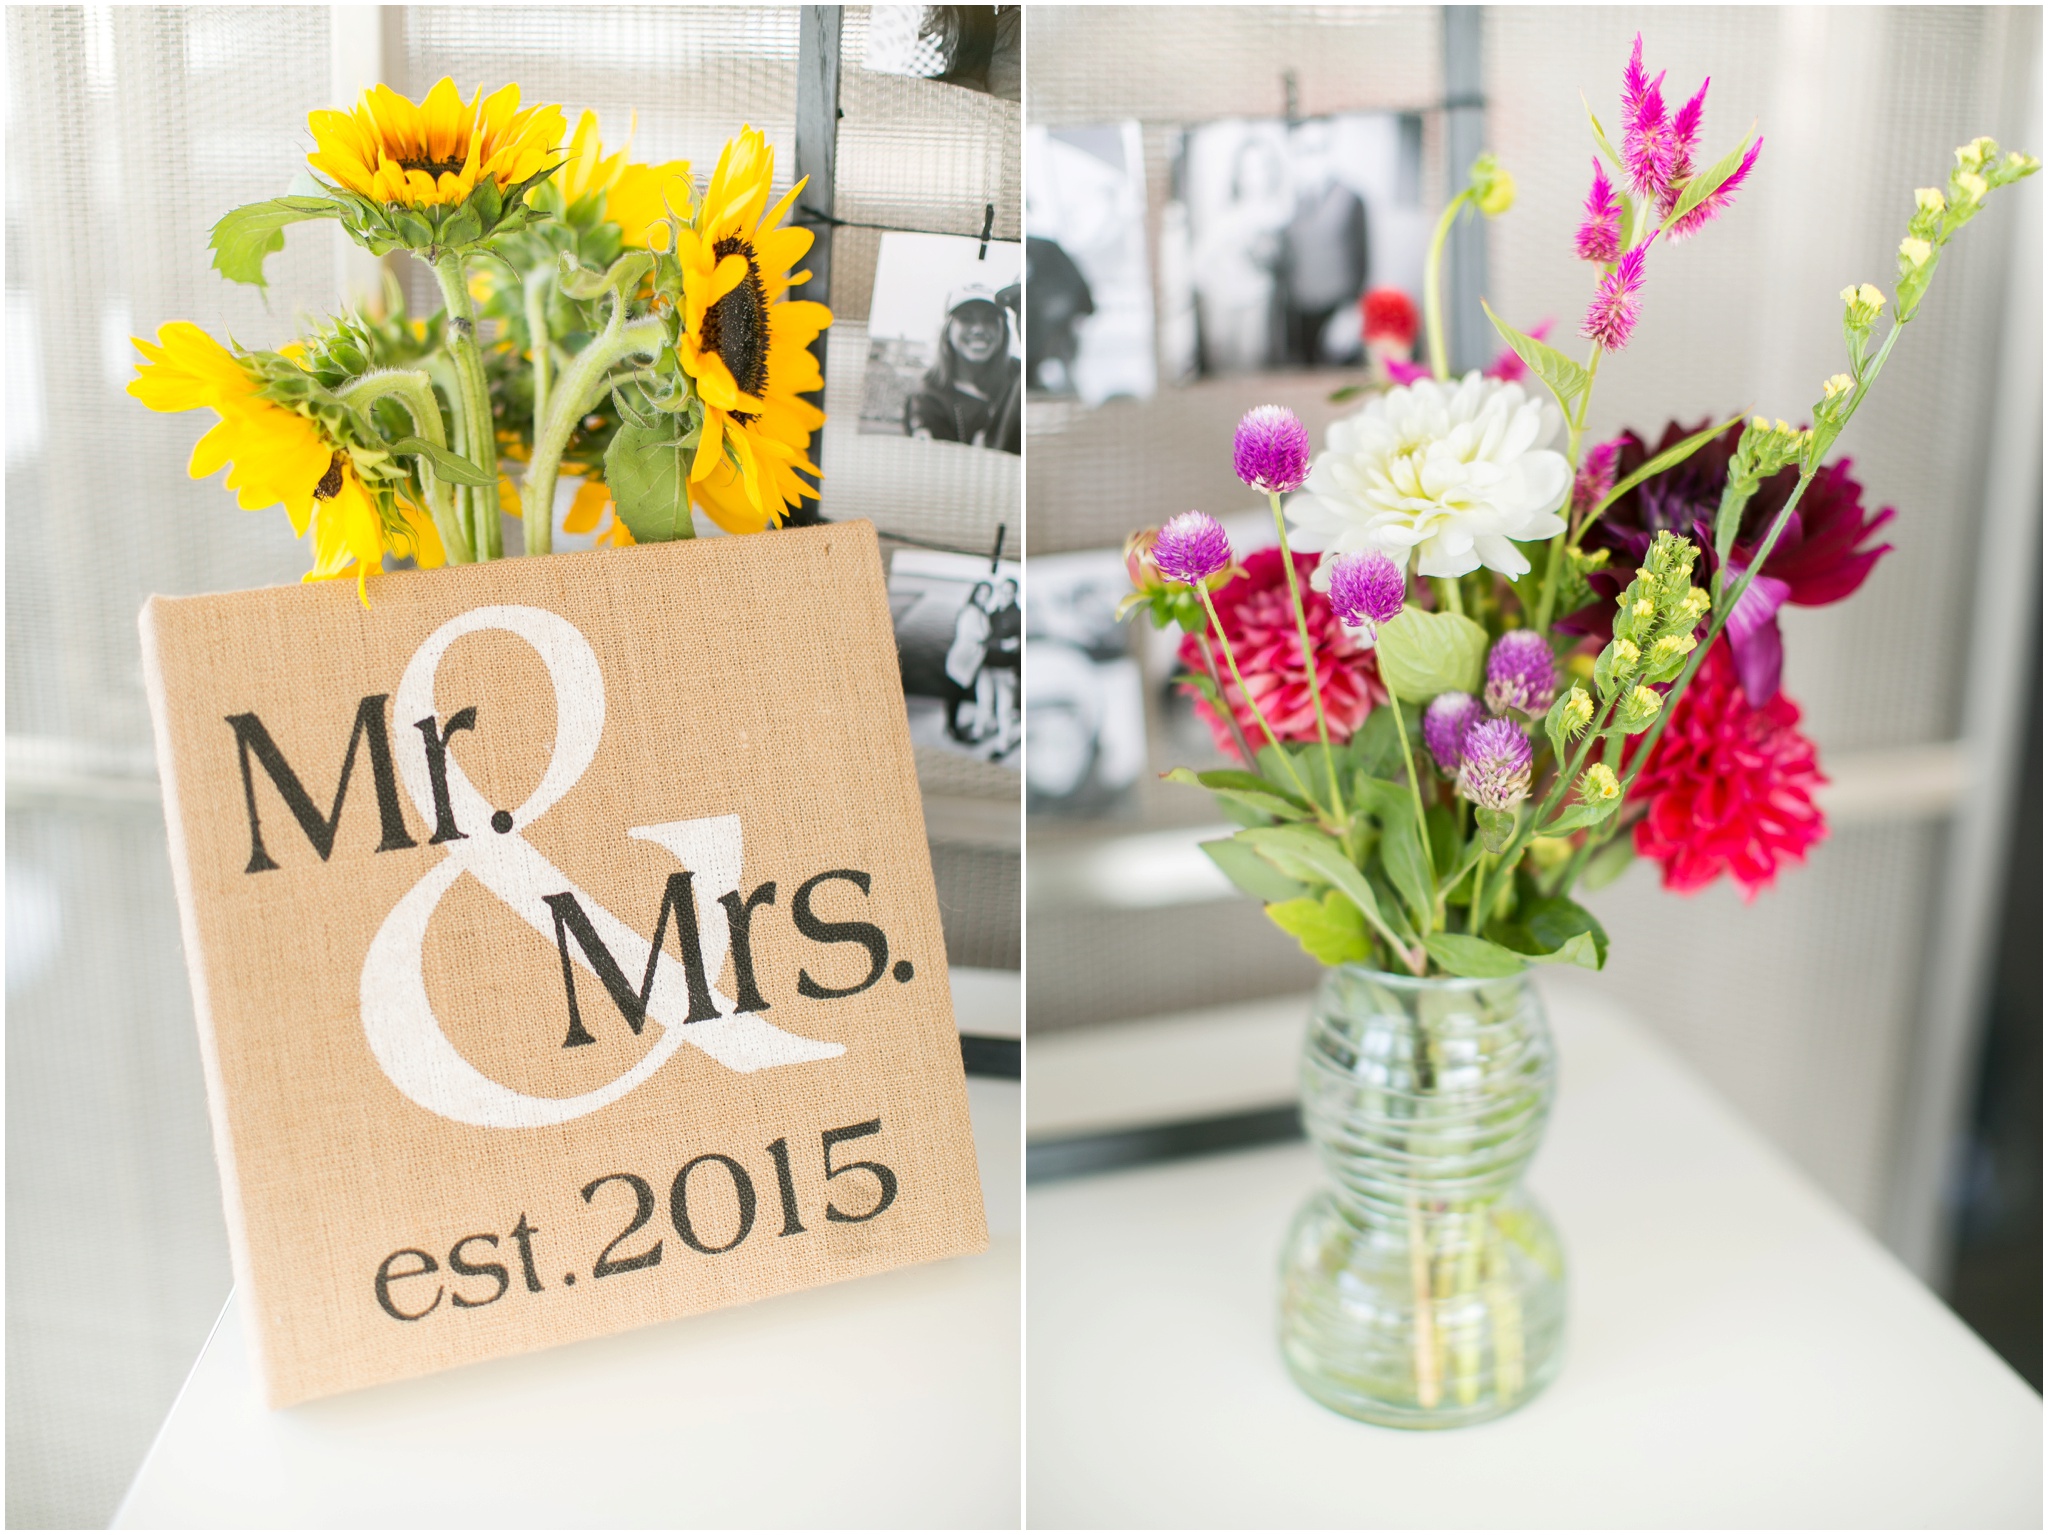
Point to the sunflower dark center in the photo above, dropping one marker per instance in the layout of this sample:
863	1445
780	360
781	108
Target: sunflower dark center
435	168
330	482
736	327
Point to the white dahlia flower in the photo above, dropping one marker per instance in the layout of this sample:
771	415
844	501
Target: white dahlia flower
1459	472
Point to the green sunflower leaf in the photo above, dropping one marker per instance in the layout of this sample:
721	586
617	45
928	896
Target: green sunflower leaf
452	467
648	472
1554	930
244	237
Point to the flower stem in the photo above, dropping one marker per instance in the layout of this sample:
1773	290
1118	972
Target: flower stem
1432	286
1478	891
479	438
535	291
1428	1391
415	391
1415	789
1244	747
581	387
1308	656
1230	656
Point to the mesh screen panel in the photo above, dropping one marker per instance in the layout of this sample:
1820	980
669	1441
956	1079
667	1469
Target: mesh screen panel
1808	1029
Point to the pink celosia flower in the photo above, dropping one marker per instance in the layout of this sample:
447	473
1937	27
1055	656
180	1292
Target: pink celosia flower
1647	147
1407	372
1595	477
1711	205
1258	618
1600	234
1612	318
1685	139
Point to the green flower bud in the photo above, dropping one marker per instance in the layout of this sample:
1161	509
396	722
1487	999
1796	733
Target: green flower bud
1913	254
1598	785
1690	610
1617	664
1492	187
1667	656
1577	712
1639	710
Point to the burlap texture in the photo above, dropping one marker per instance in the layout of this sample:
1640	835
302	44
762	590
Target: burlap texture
749	677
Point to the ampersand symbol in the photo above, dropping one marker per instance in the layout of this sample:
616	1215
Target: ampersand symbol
398	1018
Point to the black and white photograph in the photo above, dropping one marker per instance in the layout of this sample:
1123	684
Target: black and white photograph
960	639
1090	331
945	348
1281	229
1085	706
979	47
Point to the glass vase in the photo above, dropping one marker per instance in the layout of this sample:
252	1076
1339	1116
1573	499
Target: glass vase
1423	1288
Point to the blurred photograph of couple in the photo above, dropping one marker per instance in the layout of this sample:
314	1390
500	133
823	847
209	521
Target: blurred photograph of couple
960	638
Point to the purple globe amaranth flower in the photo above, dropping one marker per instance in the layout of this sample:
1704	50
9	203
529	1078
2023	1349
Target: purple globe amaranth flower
1366	590
1600	233
1495	770
1272	449
1191	548
1612	318
1520	674
1444	724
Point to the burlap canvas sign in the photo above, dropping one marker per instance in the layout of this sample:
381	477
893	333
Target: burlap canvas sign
564	946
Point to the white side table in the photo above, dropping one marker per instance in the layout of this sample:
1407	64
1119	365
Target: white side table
890	1401
1740	1353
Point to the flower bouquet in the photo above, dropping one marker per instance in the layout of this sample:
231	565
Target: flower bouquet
1487	663
600	318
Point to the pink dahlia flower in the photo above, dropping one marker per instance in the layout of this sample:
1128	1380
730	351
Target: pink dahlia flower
1729	789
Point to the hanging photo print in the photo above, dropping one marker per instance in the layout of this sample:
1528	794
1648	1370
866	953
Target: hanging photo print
960	640
944	348
1281	229
1085	710
1089	330
975	46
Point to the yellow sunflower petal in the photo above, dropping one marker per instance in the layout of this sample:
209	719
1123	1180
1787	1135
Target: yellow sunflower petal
708	457
592	496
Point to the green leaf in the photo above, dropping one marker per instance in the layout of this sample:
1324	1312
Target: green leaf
647	470
1461	954
244	237
1349	392
1496	827
1554	728
1707	182
1677	453
1567	380
1443	837
1255	793
1407	866
1380	797
1377	746
1309	762
1600	138
1423	654
1554	930
623	275
1316	853
1578	814
1254	875
452	467
1331	931
1609	864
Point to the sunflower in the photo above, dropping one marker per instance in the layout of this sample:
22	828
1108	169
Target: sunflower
275	455
436	153
745	344
593	500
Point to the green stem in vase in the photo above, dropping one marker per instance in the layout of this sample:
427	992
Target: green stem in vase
479	437
581	388
415	391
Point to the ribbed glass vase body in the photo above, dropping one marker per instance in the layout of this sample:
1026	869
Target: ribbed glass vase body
1424	1289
